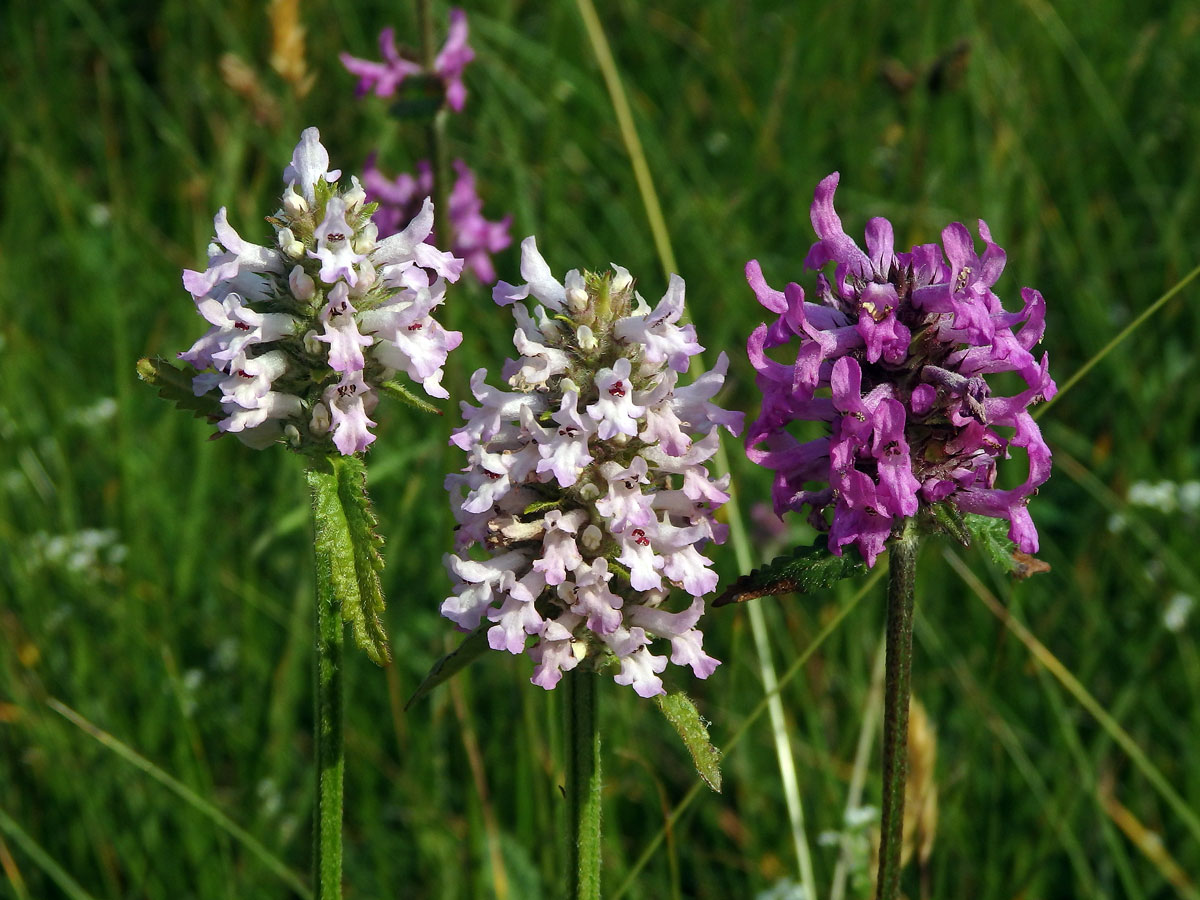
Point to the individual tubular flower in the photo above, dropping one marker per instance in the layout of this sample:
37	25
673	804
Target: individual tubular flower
384	78
472	237
587	491
893	357
303	335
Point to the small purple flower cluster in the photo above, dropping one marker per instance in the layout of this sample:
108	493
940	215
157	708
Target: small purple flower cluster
894	357
384	78
472	237
586	484
304	334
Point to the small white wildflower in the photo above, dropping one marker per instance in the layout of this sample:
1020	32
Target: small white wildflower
1179	609
1158	495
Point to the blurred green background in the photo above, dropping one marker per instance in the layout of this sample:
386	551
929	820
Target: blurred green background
160	584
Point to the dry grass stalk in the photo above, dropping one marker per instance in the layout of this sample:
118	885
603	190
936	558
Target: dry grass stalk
244	82
287	45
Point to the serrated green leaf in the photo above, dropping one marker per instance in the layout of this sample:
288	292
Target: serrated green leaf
174	383
399	392
991	536
337	578
474	645
950	520
681	712
804	570
347	546
365	618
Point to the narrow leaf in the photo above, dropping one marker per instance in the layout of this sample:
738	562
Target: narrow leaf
950	520
804	570
681	712
366	618
397	391
174	383
474	645
539	506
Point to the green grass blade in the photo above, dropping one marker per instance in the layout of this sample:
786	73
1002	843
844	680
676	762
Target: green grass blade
42	859
1051	663
187	795
1121	336
633	144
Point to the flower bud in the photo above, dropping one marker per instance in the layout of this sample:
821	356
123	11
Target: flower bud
364	241
320	421
301	284
577	299
355	197
591	538
586	338
293	204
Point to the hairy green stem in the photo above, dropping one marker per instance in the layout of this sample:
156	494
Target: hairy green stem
327	721
902	569
583	786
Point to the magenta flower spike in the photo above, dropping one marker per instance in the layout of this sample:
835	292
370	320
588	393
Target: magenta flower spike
385	77
304	334
586	496
893	355
472	237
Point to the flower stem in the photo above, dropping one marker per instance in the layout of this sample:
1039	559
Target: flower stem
583	786
902	566
435	128
327	722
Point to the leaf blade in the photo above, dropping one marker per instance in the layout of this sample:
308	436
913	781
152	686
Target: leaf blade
472	647
802	571
681	712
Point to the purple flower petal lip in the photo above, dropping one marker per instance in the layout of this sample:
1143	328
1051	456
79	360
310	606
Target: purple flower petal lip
860	526
1034	315
767	296
881	245
834	244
